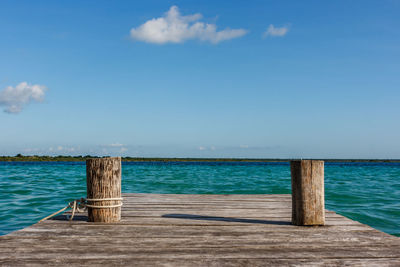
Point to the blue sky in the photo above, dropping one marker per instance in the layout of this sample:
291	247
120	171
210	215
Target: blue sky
246	79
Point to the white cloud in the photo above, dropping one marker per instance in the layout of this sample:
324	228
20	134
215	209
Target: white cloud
14	99
276	31
175	28
122	147
203	148
116	145
30	150
63	149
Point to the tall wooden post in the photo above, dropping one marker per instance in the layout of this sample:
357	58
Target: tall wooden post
308	200
103	178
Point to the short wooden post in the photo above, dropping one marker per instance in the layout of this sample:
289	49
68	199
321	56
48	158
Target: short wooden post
103	178
308	200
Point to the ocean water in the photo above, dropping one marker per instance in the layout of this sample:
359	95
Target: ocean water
366	192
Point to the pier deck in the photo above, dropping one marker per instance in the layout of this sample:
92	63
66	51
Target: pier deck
200	230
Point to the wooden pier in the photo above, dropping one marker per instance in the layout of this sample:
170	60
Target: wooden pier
200	230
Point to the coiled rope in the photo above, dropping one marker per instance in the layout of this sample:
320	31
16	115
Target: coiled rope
81	205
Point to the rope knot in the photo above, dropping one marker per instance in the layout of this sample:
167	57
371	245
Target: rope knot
81	205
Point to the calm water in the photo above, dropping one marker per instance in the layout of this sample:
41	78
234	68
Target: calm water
366	192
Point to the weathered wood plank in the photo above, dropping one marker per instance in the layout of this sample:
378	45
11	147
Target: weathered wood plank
254	262
187	219
171	231
358	239
201	197
267	252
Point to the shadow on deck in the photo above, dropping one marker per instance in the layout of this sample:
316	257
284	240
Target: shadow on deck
222	219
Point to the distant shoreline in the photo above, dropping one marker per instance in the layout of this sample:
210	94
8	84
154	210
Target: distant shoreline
21	158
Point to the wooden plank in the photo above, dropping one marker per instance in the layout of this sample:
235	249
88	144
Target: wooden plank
183	219
216	262
171	231
267	252
201	197
358	239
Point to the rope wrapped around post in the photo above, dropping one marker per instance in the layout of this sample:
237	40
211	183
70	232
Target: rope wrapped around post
81	205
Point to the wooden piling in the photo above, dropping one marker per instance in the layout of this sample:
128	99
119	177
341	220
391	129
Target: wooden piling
308	200
103	177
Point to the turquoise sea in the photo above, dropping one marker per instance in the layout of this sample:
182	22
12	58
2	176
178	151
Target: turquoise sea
366	192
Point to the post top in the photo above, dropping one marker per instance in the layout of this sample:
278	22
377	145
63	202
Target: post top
306	160
103	159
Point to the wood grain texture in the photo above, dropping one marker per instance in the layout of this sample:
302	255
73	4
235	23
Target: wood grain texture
103	179
308	199
200	230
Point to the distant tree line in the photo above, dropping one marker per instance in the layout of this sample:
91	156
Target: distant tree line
20	157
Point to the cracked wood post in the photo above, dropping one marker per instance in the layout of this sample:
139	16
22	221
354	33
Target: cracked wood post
103	179
308	200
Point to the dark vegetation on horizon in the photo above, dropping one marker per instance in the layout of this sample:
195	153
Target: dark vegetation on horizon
20	157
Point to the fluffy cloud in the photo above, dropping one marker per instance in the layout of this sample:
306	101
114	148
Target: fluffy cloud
275	31
175	28
116	145
113	148
59	149
122	148
202	148
14	99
